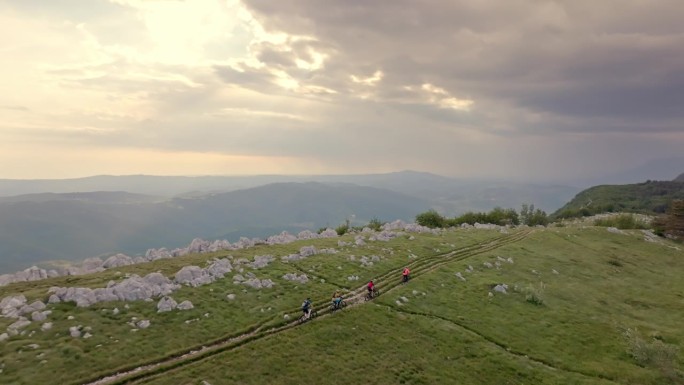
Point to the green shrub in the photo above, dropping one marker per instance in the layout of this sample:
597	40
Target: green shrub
431	219
654	353
622	221
535	294
342	229
375	224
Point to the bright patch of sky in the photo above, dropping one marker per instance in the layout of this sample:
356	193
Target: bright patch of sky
301	86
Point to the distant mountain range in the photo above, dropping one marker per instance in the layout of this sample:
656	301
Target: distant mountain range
74	226
448	195
680	178
79	218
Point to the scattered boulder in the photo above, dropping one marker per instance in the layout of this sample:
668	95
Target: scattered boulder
166	304
297	278
501	288
614	230
231	296
46	326
92	264
185	305
75	331
37	316
14	328
117	260
4	336
143	324
261	261
10	306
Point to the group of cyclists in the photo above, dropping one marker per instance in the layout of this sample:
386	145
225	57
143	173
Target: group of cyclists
337	300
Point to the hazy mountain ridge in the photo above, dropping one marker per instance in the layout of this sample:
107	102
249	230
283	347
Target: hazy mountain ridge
680	178
32	231
449	195
94	197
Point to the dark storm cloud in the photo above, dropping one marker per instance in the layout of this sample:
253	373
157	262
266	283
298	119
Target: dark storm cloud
577	60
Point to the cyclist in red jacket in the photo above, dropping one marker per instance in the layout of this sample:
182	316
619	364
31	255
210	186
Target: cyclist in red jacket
371	288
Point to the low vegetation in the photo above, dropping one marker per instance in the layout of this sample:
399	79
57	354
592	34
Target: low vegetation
672	224
623	222
497	216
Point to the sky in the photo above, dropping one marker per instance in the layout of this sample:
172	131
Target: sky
526	89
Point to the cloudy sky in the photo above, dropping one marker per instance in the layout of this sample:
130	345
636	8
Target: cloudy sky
529	89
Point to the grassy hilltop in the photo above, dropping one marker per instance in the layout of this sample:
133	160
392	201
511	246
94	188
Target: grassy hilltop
583	306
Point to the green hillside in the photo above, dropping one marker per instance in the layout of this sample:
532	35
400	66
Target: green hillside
584	306
649	197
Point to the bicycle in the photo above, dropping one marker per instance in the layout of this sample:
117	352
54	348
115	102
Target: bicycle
405	278
334	308
370	296
304	318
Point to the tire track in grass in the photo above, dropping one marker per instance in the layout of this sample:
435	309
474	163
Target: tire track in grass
387	281
502	346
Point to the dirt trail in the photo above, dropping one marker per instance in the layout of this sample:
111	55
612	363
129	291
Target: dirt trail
387	281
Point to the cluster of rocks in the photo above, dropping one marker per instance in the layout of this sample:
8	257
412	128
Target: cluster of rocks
198	245
409	227
261	261
18	307
353	278
305	252
484	226
33	273
134	288
296	278
92	265
366	261
252	281
167	304
196	276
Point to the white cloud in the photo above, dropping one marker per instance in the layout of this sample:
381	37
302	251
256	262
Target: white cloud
345	87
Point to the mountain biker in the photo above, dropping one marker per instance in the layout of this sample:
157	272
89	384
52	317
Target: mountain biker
336	299
405	274
306	307
371	288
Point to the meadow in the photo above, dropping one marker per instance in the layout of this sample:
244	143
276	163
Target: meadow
582	306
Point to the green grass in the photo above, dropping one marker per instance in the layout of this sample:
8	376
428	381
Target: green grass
596	286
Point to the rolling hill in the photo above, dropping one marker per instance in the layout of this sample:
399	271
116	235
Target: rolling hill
649	198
